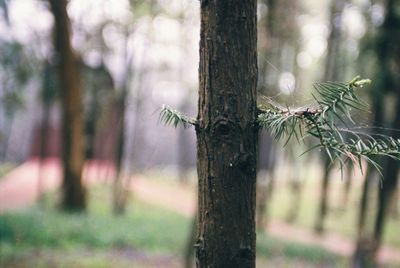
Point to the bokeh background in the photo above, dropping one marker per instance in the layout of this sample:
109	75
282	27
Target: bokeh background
135	56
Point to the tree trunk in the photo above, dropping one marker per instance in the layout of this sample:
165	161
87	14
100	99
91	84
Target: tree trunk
265	189
394	204
323	204
363	247
72	138
347	186
189	247
295	185
227	134
120	194
364	203
389	182
388	57
331	74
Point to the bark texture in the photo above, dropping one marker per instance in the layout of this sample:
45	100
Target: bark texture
227	134
72	134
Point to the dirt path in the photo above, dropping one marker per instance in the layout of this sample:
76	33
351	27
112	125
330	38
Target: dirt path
19	189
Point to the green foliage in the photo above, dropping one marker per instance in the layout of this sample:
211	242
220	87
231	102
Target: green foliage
170	116
145	227
328	121
51	229
269	246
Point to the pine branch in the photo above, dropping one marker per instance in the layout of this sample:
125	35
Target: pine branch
334	102
172	117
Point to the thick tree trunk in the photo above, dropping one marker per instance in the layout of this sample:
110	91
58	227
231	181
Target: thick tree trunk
72	137
227	134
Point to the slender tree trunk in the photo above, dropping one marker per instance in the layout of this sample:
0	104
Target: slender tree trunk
394	204
266	179
120	195
265	191
44	126
296	193
364	203
389	183
227	135
323	204
347	186
388	56
189	247
363	246
385	195
72	137
331	74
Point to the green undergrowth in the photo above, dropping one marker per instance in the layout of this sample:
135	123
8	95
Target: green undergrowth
36	237
341	219
5	168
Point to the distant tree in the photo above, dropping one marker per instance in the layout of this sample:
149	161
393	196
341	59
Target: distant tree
331	73
74	197
388	56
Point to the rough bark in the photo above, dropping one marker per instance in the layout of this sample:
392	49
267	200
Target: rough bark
72	135
227	134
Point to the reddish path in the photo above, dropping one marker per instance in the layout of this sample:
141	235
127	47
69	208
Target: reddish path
19	189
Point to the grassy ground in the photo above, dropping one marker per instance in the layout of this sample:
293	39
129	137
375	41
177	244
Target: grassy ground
146	237
5	168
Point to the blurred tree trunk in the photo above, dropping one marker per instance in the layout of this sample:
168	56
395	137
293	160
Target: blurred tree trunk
265	188
266	179
46	99
332	73
227	142
72	137
394	204
364	202
279	41
120	195
324	195
347	186
387	79
296	185
189	247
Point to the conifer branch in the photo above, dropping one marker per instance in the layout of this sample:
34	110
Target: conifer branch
334	102
172	117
